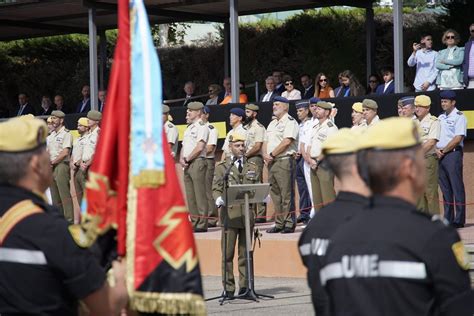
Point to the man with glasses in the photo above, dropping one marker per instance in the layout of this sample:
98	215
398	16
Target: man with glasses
424	58
468	63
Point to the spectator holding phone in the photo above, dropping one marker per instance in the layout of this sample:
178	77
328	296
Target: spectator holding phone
424	58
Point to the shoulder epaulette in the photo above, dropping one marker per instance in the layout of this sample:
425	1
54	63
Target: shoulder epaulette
438	218
460	113
211	126
221	162
290	118
259	124
330	124
202	123
170	125
434	118
66	130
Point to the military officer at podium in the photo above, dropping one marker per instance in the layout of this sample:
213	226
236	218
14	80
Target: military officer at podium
240	171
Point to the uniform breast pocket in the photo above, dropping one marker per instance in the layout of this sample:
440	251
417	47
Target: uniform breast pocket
59	139
251	176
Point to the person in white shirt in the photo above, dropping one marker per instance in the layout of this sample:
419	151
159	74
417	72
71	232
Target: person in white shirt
290	92
271	92
424	58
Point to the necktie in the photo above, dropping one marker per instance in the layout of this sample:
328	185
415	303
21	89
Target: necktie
240	167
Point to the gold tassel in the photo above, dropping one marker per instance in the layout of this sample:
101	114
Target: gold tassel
168	303
149	179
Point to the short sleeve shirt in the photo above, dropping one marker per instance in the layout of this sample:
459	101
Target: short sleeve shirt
304	130
239	130
277	130
78	148
212	139
58	141
91	143
172	136
320	132
194	133
430	129
255	134
452	124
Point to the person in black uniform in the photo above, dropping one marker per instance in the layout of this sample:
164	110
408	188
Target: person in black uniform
339	155
42	270
391	259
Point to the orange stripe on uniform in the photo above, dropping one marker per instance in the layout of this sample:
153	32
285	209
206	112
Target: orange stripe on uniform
16	214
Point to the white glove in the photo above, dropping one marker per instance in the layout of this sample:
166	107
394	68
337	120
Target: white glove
219	201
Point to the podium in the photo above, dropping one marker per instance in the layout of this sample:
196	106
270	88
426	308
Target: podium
246	194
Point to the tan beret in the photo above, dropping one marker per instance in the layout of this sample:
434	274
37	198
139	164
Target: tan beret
83	121
94	115
252	107
357	107
391	133
19	135
369	103
423	100
344	141
236	137
58	113
195	105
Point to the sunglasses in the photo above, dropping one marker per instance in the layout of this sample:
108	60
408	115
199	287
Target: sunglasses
372	81
450	37
288	83
323	80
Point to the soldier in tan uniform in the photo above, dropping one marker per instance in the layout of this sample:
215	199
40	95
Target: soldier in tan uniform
76	157
211	165
279	149
236	119
253	144
93	118
430	128
322	179
193	161
369	109
171	131
358	120
59	147
242	171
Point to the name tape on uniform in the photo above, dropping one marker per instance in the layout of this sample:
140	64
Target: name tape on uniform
369	266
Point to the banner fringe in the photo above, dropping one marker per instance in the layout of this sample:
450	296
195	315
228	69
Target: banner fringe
168	303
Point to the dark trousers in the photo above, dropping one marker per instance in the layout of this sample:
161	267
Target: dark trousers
452	186
305	200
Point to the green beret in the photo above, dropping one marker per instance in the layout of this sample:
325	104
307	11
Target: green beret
252	107
195	105
58	113
94	115
22	134
165	109
369	103
325	105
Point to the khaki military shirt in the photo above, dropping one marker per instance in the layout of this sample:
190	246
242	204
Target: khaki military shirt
239	130
374	121
277	130
255	134
320	132
78	148
172	136
212	139
194	133
430	129
57	141
91	143
361	127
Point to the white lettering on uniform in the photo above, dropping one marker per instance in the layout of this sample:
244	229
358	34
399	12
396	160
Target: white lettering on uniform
318	246
369	266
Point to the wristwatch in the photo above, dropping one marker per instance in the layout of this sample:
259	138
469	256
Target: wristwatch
271	155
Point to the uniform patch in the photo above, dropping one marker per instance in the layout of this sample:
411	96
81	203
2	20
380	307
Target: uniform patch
291	118
170	125
461	255
330	124
211	126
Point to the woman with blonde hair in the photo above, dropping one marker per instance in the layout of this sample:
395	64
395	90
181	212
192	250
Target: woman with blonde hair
449	62
322	88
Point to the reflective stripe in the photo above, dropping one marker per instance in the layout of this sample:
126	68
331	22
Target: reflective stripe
385	269
22	256
305	249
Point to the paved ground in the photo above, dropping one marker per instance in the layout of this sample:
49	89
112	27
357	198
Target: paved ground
292	297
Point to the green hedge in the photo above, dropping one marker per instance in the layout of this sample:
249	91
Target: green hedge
328	40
